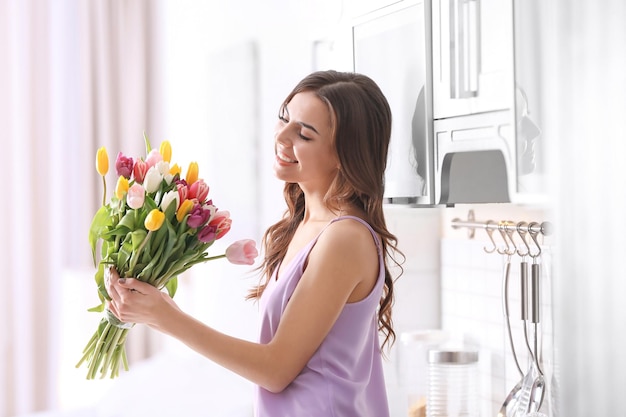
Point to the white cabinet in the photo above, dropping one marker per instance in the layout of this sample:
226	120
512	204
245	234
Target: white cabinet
358	8
479	156
392	46
472	56
461	77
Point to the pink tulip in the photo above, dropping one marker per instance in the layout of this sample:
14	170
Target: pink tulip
199	190
153	157
136	196
124	166
242	252
139	171
183	191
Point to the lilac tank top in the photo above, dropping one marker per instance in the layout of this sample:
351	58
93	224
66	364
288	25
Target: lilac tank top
344	378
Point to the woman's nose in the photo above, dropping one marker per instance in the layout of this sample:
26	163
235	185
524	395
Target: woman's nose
281	134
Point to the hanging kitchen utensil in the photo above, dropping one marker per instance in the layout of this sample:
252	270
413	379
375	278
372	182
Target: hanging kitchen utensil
533	388
539	387
511	400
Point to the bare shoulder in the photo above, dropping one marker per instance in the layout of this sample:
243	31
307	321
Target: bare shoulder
347	239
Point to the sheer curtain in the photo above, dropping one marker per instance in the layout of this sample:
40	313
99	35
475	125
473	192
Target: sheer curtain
590	81
74	75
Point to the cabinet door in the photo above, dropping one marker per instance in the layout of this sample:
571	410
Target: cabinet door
532	62
391	46
472	56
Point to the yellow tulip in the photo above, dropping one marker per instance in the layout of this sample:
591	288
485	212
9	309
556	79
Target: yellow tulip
192	173
122	187
102	161
154	220
175	169
166	151
183	210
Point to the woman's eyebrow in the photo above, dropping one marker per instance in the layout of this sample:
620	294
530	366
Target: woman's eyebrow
308	126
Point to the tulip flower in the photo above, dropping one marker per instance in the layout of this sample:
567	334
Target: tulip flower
139	171
223	228
152	181
198	216
102	166
184	209
183	190
153	157
192	173
168	198
242	252
124	165
199	190
136	196
164	169
166	151
207	234
175	169
221	220
121	188
102	161
154	220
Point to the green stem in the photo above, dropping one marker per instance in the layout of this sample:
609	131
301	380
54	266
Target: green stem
137	253
96	358
104	192
110	348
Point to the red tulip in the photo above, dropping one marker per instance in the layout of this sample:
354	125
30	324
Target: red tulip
139	171
222	221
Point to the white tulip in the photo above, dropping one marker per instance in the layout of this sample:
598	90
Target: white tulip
168	198
152	181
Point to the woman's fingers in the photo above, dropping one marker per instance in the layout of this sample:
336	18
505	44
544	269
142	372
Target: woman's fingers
110	278
134	285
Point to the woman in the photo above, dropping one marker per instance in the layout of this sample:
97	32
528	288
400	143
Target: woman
327	290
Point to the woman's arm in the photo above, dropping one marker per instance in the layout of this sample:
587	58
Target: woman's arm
342	267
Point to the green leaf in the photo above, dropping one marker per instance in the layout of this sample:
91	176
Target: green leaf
129	221
172	286
101	220
97	309
124	254
148	146
137	237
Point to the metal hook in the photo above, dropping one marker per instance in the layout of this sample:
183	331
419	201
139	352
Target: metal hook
490	234
533	235
502	228
522	234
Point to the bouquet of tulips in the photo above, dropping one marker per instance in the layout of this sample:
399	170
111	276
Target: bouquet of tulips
155	227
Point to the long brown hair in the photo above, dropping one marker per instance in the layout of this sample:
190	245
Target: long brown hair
362	129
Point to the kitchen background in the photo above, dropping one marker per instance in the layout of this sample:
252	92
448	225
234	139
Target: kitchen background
209	77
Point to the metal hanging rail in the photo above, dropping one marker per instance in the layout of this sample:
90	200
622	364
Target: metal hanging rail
544	228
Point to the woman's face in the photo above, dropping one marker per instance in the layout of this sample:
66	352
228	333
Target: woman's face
303	142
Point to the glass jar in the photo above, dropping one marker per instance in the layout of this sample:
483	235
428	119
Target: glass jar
412	367
452	383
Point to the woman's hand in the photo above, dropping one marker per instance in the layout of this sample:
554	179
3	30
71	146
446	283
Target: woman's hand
134	301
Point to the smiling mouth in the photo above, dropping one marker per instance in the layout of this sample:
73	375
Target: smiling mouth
285	159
